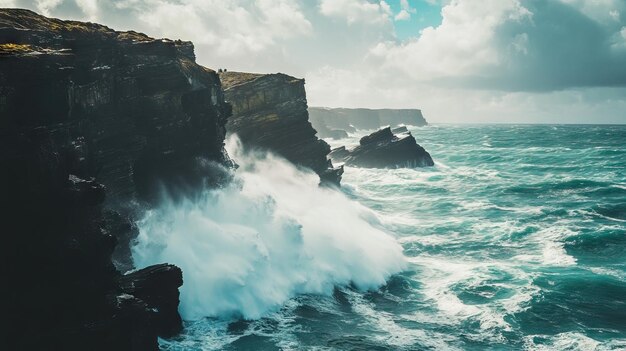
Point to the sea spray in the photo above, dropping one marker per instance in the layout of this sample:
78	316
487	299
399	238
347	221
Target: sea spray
269	236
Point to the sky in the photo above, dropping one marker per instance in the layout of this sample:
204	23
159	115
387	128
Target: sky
473	61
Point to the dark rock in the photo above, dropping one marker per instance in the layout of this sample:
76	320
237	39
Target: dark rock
94	124
383	149
270	113
378	136
138	113
339	153
158	287
331	176
125	230
57	259
351	119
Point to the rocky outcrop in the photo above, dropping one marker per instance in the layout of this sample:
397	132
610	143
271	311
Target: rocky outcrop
384	149
270	112
331	122
137	111
158	287
61	290
94	122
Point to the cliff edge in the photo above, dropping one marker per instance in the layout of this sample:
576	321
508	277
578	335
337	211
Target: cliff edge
95	123
270	112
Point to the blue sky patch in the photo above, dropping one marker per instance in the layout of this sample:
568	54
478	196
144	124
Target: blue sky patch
426	14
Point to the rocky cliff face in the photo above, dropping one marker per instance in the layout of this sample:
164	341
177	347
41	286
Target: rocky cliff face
270	112
136	110
92	121
331	122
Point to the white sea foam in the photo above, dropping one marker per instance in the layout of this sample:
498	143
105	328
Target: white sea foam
248	248
564	341
553	251
394	334
440	275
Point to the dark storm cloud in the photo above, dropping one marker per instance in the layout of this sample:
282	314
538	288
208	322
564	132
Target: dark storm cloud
558	47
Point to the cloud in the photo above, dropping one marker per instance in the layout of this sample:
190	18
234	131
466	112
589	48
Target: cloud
459	47
231	28
44	6
486	60
405	12
356	10
510	45
403	15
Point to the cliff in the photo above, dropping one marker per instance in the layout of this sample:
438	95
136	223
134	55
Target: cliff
330	122
93	124
270	112
133	107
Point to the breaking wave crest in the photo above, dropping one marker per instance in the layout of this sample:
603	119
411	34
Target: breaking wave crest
270	235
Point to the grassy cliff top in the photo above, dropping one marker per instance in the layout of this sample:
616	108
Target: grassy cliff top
231	79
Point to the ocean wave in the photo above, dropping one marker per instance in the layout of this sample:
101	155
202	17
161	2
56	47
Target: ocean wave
551	241
247	249
565	341
558	186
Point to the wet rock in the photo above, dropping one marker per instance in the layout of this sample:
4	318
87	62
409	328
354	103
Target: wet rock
158	287
339	153
383	149
95	123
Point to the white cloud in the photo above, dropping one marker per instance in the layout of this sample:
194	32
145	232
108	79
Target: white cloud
462	45
598	10
405	12
356	10
45	6
89	8
232	28
404	4
480	64
403	15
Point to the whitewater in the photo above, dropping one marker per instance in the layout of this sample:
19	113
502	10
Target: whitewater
516	239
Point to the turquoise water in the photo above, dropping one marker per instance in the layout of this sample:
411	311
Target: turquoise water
516	239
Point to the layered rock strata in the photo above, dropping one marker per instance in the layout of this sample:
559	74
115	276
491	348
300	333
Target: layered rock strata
270	112
384	149
95	124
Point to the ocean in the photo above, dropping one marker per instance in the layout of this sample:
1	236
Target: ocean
515	240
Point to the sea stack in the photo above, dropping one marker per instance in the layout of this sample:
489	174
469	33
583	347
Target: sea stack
384	149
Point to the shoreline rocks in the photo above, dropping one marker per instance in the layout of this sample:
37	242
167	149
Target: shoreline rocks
384	149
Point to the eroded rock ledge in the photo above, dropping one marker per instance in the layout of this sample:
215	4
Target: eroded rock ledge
93	124
270	112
